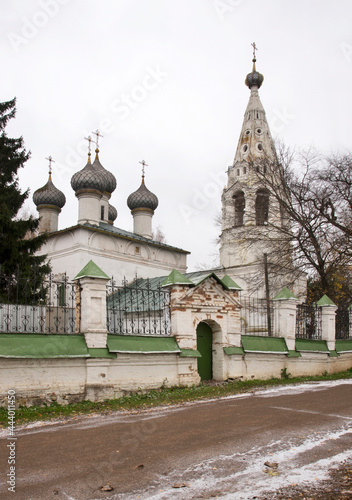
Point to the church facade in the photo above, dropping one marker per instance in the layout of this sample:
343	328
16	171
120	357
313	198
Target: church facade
122	254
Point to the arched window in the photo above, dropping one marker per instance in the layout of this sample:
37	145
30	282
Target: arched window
239	208
261	207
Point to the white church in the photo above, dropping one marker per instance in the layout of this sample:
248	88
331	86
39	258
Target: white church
247	209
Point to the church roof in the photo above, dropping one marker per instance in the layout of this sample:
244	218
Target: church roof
106	228
142	198
88	178
255	139
49	195
109	178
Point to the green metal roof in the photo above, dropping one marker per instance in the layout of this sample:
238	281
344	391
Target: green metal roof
28	345
325	301
233	350
274	345
343	345
285	294
143	345
190	353
311	345
176	278
91	270
229	283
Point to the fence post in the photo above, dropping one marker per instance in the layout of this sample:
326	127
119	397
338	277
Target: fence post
328	321
285	309
92	282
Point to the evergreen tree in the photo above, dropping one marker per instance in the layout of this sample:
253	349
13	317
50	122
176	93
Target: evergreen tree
18	239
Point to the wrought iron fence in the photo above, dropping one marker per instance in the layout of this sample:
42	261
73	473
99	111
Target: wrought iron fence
29	305
139	308
255	317
308	322
343	324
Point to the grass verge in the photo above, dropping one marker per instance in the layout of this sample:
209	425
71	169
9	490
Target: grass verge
157	397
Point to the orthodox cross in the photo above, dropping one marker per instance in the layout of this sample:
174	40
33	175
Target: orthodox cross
50	162
89	139
98	134
143	167
254	49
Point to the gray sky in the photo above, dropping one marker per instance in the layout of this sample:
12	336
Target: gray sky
163	80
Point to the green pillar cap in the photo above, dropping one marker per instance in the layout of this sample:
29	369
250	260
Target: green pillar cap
325	301
176	278
91	270
285	294
229	283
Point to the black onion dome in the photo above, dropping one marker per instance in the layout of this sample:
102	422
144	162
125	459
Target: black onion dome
142	198
88	178
254	78
112	213
110	179
49	195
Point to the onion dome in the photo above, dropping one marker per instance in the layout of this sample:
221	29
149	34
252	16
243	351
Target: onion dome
112	213
142	198
49	195
109	178
254	78
89	178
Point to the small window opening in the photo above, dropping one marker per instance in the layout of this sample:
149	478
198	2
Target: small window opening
102	212
239	208
262	207
137	249
238	171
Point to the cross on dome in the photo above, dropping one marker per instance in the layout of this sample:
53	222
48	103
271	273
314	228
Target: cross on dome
144	164
98	134
50	162
89	139
254	49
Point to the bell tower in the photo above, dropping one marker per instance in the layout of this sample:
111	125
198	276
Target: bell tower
250	213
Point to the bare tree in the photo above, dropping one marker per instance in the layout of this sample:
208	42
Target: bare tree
314	195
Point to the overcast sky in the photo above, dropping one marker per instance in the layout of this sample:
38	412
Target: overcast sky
163	80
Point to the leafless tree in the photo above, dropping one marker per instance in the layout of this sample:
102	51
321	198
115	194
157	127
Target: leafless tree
314	195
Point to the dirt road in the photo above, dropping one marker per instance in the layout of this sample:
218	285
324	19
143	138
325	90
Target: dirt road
241	447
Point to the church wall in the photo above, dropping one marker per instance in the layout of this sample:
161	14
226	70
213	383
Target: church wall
71	250
76	379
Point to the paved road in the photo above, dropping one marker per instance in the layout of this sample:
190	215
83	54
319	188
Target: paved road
198	450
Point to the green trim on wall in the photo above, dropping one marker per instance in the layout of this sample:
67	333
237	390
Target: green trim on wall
31	345
311	345
294	354
100	352
144	345
343	346
265	345
231	350
190	353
